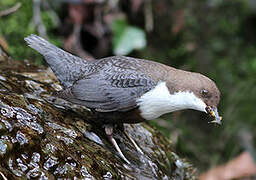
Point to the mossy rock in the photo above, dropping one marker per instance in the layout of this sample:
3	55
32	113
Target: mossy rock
44	137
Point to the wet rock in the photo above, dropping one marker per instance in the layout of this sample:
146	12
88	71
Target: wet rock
43	137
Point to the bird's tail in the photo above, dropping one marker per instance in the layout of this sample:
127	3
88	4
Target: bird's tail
65	66
40	44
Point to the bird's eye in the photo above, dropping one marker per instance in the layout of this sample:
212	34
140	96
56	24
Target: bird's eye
204	92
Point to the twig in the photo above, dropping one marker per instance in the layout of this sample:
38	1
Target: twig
148	13
37	19
3	47
10	10
3	176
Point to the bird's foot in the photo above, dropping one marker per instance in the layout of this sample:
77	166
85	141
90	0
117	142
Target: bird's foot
109	132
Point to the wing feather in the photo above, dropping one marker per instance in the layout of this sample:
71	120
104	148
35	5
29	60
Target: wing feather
108	94
115	86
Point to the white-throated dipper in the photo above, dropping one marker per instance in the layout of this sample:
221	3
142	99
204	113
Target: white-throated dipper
127	90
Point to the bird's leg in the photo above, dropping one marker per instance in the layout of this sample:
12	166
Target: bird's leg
133	142
121	127
109	132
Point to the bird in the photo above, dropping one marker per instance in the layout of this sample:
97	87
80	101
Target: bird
121	89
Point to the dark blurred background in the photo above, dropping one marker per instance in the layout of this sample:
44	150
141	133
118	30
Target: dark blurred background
216	38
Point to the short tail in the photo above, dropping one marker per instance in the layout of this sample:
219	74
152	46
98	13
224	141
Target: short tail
40	44
65	66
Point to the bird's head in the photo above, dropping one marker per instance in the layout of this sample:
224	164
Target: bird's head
181	90
205	90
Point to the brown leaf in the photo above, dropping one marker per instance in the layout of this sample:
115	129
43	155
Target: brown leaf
241	166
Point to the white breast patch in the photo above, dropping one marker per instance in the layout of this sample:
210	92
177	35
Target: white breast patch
159	101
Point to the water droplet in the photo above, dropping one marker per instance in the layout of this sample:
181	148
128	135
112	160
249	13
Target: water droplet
50	148
35	157
64	169
71	133
24	156
34	109
85	173
7	125
37	127
21	138
66	140
33	164
50	163
3	147
43	176
73	164
108	175
33	173
19	160
7	111
21	165
60	170
13	140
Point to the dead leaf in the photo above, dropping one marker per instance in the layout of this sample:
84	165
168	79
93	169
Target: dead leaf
241	166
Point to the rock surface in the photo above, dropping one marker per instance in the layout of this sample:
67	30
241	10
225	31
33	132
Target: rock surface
43	137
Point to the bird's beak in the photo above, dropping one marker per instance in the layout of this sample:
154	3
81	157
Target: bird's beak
212	111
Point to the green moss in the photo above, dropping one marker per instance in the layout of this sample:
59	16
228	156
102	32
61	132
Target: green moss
18	25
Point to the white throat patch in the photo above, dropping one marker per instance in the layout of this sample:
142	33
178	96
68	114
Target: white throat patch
159	101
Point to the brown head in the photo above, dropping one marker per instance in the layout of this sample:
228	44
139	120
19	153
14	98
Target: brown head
201	86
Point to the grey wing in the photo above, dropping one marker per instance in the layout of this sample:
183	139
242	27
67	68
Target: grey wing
104	93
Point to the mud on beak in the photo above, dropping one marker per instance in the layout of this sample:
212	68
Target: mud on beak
212	111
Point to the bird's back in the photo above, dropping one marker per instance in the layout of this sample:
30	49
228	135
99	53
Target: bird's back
69	68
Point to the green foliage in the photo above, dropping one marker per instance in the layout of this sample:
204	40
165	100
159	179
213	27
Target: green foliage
6	3
18	25
14	26
126	38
